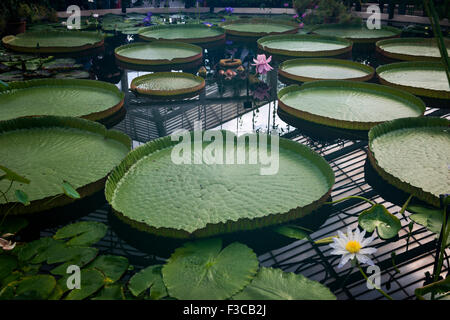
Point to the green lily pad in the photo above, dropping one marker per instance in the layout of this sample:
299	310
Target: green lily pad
413	154
53	41
37	251
61	64
84	233
191	33
8	264
58	149
57	293
274	284
429	218
73	74
148	278
79	256
258	27
212	273
379	217
92	281
37	287
111	292
357	33
411	49
113	267
216	198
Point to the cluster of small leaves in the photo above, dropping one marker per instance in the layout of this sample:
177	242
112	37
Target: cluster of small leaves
198	270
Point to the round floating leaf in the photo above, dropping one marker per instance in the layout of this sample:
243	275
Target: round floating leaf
202	270
83	233
57	293
429	218
7	265
37	251
274	284
79	256
113	267
92	281
111	292
149	277
37	287
379	217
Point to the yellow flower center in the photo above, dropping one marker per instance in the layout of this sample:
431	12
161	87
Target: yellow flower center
353	246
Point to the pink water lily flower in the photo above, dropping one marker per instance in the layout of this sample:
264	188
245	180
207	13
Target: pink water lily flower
262	64
7	244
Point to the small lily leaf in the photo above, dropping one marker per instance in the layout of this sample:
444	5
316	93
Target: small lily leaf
37	251
113	267
79	256
149	277
83	233
8	264
70	191
13	176
379	217
292	231
22	197
274	284
111	292
38	287
430	218
92	281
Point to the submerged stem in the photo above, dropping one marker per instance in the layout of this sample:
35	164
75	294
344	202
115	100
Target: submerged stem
352	197
367	279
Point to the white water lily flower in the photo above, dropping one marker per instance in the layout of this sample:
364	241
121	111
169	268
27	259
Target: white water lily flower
353	246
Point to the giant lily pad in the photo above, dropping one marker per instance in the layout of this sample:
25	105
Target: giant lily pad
199	200
53	41
413	155
357	33
168	84
212	273
427	79
159	53
256	28
298	45
191	33
411	49
348	104
89	99
52	150
309	69
274	284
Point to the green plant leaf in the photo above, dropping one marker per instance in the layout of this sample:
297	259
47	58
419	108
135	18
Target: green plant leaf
92	281
13	176
37	251
70	191
212	273
379	217
22	197
292	231
37	287
274	284
79	256
430	218
83	233
57	293
149	277
8	264
441	287
111	292
113	267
